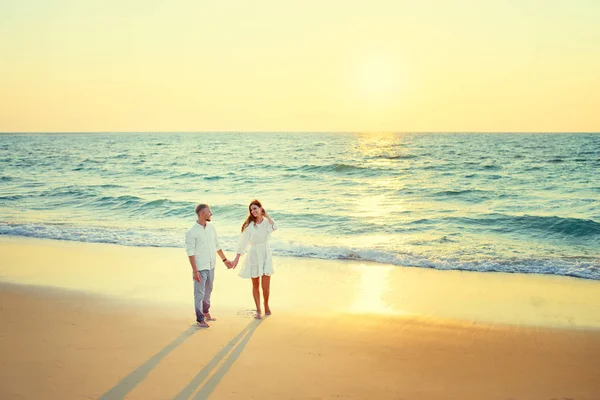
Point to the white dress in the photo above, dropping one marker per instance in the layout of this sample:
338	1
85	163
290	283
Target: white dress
258	261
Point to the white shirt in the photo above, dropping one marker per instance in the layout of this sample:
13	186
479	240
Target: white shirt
202	243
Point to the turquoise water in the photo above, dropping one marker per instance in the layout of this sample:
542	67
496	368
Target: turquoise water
484	202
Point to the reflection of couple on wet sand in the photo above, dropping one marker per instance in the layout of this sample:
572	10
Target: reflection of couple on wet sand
202	245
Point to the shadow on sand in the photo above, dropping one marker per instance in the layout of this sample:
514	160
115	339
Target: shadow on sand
127	384
229	356
121	389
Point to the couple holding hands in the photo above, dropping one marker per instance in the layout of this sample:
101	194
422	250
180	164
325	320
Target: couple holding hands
202	245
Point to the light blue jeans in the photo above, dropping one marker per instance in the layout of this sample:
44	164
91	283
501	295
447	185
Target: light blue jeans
202	292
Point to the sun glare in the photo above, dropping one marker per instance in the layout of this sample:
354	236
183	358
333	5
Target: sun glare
378	79
371	290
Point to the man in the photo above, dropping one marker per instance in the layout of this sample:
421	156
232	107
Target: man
202	243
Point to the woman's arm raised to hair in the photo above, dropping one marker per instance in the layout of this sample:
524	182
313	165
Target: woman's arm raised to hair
270	220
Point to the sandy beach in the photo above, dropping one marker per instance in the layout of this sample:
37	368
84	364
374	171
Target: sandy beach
97	321
427	170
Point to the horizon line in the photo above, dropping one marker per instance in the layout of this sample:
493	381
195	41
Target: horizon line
282	131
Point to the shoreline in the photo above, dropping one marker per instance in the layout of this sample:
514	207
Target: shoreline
582	266
161	276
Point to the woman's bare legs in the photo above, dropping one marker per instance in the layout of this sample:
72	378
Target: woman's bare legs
266	287
256	295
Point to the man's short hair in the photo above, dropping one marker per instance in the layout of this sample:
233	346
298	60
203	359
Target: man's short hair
201	207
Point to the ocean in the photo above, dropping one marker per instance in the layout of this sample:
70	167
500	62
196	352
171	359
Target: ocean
489	202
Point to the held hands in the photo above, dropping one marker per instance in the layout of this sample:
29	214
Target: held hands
229	264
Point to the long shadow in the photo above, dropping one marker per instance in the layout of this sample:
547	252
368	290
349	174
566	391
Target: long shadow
241	340
121	389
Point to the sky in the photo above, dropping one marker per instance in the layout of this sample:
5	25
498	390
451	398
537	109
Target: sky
310	65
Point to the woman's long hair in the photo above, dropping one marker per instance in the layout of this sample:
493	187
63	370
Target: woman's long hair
250	216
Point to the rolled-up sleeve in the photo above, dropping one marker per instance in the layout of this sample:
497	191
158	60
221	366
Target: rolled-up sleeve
272	227
190	244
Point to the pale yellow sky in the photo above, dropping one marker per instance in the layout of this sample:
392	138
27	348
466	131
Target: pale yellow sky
278	65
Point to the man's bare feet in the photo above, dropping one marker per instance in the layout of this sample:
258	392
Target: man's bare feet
203	324
209	317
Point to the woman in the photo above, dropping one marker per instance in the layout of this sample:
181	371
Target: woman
258	264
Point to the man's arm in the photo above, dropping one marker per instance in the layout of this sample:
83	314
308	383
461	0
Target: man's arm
190	247
224	258
220	251
195	272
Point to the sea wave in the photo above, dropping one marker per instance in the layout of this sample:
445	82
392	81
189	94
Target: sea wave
10	198
580	267
125	237
339	168
467	195
528	224
396	156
